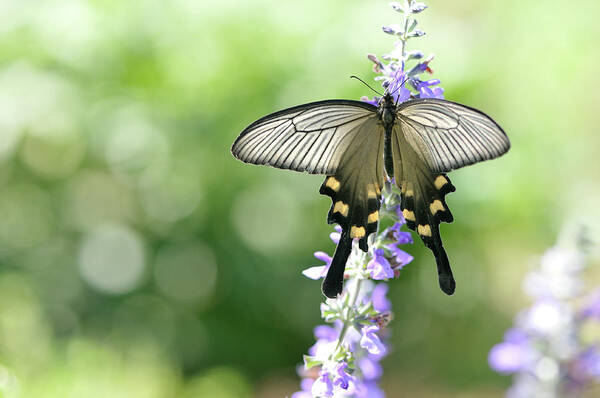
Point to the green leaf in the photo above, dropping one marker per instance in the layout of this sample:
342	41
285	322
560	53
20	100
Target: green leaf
311	362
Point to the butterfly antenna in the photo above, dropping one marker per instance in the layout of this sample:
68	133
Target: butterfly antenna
365	83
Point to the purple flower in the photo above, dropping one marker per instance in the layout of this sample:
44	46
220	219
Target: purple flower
370	368
374	101
417	7
326	339
401	237
592	307
335	236
516	335
380	267
324	332
341	378
508	357
371	390
399	214
401	258
320	271
322	387
306	386
380	302
587	365
427	92
302	394
395	86
371	342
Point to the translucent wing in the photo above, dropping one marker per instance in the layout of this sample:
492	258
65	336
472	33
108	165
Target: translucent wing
342	139
310	137
355	191
447	135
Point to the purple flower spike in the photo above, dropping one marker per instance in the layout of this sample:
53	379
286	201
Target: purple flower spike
346	355
322	387
380	302
371	342
380	267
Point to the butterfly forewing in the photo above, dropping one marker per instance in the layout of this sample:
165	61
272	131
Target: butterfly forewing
310	137
447	135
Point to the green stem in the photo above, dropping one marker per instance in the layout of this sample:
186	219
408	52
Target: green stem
406	16
347	322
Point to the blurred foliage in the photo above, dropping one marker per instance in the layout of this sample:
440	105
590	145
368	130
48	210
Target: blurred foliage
139	259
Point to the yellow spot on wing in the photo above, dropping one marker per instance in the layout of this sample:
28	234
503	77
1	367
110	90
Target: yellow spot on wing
410	192
357	232
372	191
409	215
373	217
340	207
436	206
440	181
332	183
424	230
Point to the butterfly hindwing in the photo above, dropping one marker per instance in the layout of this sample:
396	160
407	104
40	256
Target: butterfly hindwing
423	203
355	192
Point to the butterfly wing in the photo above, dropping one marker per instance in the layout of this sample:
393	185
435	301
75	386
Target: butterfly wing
447	135
430	138
340	138
310	137
355	191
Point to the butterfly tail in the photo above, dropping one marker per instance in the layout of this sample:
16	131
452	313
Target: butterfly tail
333	283
445	277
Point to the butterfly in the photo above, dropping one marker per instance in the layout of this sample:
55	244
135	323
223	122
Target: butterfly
356	145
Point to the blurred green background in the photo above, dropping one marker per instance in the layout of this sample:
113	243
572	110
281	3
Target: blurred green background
139	259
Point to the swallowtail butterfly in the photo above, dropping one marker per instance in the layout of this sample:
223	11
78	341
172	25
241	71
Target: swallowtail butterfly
356	144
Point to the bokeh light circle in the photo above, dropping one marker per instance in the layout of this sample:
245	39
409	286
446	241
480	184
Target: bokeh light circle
266	218
111	259
186	271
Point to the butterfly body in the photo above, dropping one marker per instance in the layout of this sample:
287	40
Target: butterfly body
357	145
